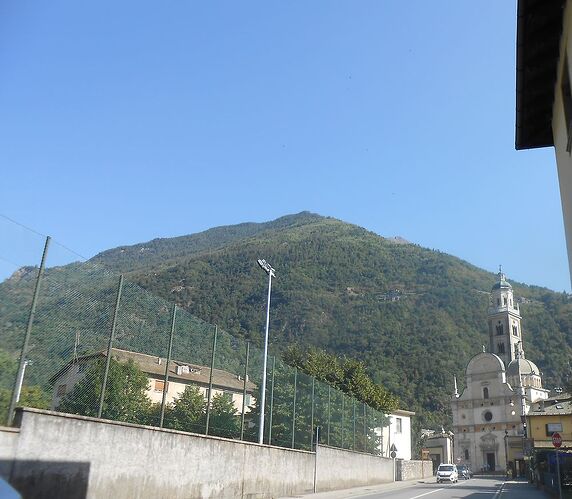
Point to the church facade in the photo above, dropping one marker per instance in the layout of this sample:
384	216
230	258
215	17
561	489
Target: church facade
500	386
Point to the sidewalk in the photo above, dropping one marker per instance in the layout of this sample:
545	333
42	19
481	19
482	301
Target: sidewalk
360	491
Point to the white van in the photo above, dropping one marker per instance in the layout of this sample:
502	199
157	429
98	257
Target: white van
447	473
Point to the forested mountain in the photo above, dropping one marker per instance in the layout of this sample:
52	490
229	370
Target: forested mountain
415	316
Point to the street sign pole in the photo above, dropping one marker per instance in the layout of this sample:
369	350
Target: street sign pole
557	442
558	475
393	454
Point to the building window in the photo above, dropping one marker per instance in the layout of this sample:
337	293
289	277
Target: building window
514	330
567	101
248	400
398	427
504	301
500	329
498	302
467	454
485	393
61	390
500	347
160	385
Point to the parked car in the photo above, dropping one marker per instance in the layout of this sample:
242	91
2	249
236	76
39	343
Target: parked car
464	471
447	473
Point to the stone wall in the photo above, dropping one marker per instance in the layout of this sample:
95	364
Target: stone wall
64	456
412	470
341	469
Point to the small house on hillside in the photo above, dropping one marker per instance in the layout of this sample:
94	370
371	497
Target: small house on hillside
181	375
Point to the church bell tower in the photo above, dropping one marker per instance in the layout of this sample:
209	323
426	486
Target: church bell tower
505	334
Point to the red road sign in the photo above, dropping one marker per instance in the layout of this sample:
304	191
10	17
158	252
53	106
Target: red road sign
556	440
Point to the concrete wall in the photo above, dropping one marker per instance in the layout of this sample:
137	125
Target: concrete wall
411	470
340	469
64	456
8	444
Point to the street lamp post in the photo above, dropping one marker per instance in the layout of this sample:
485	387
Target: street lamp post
264	265
506	451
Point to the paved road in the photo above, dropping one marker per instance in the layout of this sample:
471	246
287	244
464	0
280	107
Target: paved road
476	488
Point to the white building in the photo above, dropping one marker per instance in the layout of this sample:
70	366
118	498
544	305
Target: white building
181	374
398	434
500	386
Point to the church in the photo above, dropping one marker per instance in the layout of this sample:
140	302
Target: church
500	386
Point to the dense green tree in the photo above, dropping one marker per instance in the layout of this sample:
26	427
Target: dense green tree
223	419
187	412
125	397
30	396
346	374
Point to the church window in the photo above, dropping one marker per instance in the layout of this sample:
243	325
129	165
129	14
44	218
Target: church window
500	329
504	301
498	302
500	347
485	393
514	330
488	416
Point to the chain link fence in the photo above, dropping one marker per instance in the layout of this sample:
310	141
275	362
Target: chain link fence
80	339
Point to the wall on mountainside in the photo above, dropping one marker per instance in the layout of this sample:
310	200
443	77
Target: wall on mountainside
63	455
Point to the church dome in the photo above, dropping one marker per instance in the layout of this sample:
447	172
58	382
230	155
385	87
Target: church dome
502	283
522	366
485	363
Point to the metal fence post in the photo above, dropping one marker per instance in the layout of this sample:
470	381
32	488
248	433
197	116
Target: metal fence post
343	411
312	415
364	427
271	401
24	351
244	391
169	352
354	424
110	346
294	411
209	398
329	412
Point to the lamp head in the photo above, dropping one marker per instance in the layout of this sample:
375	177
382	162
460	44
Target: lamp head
264	265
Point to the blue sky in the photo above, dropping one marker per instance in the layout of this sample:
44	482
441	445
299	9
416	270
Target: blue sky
125	121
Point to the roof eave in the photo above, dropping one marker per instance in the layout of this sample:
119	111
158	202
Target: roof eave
539	28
